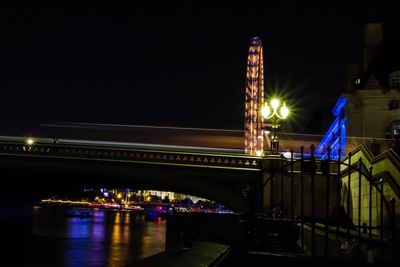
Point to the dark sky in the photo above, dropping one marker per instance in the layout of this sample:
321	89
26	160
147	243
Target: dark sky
182	66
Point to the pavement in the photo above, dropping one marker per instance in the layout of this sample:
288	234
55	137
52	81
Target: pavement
215	254
195	254
246	258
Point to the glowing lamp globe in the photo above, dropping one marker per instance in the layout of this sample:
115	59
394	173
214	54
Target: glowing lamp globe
30	141
275	103
284	111
265	111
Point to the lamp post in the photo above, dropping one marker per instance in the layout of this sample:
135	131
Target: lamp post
274	111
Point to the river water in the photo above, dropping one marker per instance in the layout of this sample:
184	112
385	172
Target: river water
109	238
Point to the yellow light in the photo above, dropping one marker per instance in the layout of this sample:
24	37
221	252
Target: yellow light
30	141
265	111
275	103
97	198
119	195
259	153
284	111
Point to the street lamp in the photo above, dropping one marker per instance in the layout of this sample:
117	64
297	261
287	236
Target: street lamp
275	112
30	141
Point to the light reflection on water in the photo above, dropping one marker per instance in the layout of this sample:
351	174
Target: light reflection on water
109	238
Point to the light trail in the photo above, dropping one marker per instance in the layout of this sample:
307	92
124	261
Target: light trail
126	145
83	125
149	146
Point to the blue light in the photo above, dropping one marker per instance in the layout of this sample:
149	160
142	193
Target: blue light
340	105
335	138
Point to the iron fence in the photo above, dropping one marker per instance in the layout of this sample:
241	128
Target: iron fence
327	208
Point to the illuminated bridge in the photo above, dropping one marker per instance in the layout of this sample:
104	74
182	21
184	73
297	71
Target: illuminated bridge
229	178
304	187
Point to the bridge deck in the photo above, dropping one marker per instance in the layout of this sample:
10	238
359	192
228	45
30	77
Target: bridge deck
149	156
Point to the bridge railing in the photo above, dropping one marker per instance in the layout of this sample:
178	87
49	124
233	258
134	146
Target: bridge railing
131	155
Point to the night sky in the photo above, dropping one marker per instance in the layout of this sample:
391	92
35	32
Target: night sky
183	66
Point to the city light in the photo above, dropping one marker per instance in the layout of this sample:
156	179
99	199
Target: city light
265	111
254	97
151	202
335	138
275	116
284	111
275	103
30	141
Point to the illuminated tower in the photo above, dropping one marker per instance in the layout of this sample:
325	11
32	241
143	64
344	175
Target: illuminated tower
253	122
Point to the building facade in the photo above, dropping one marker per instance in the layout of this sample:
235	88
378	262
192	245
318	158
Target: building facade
368	111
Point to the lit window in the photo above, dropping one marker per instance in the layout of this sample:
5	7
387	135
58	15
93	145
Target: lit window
393	131
358	81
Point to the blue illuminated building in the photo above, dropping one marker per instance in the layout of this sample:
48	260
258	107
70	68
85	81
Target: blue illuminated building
335	138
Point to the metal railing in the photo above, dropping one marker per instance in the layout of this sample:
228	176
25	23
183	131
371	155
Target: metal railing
329	204
131	155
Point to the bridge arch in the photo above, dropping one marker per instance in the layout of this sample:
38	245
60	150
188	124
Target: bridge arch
37	176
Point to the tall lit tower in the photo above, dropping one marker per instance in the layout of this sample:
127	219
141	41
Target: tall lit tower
253	121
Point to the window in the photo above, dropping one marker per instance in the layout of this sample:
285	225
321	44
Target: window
358	81
396	83
394	104
394	80
393	131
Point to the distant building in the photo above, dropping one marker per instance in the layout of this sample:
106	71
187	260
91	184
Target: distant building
368	111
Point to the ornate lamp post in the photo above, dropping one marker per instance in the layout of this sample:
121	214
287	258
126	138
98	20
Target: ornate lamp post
275	112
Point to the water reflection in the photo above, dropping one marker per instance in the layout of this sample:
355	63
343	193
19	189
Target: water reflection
119	239
79	228
78	236
153	234
109	238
